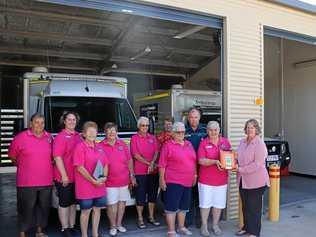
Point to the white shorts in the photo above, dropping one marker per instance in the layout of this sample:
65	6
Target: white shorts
212	196
116	194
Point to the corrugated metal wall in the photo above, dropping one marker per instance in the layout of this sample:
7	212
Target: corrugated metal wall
243	57
245	83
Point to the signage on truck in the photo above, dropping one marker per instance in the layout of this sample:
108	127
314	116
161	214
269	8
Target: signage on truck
199	102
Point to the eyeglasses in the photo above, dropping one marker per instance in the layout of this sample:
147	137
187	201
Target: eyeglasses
144	125
180	132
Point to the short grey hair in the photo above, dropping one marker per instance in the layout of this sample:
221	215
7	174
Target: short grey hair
141	120
178	127
192	110
255	123
213	125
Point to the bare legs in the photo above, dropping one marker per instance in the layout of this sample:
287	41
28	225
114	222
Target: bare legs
115	213
84	221
67	216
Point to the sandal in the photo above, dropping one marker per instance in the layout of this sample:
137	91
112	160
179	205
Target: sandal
184	231
141	224
216	230
153	222
241	233
204	231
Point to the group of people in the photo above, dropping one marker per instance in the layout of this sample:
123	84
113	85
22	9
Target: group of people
97	175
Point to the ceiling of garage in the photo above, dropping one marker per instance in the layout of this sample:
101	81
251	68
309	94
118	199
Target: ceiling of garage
41	34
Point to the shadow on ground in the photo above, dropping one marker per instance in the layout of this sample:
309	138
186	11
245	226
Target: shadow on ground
293	189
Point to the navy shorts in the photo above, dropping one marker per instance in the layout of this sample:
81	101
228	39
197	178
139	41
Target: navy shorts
66	195
94	202
146	189
177	198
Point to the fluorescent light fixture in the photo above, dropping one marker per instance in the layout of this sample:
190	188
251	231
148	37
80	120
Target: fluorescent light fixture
188	32
127	11
146	51
108	69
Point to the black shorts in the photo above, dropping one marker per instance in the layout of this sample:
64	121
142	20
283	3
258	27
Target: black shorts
33	204
66	195
146	189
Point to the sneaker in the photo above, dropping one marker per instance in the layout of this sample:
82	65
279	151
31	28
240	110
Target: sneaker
113	232
121	229
184	231
216	230
204	231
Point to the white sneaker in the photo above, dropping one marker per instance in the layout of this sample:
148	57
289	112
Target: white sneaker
121	229
113	232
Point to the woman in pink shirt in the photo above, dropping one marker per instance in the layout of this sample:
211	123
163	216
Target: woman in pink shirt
31	151
89	179
253	177
144	150
177	168
121	173
212	178
63	148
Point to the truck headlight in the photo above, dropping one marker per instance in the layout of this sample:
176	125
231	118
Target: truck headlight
283	148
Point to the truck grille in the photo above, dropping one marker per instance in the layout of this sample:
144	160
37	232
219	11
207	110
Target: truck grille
11	121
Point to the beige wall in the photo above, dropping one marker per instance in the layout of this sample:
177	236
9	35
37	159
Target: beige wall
243	56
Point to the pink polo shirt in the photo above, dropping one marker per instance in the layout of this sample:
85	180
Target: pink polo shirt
33	159
179	162
211	175
252	164
88	156
63	146
118	156
146	147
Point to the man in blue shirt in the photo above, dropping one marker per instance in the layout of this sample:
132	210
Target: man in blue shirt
194	133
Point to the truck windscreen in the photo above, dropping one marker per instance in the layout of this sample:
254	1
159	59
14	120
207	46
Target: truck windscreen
99	110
